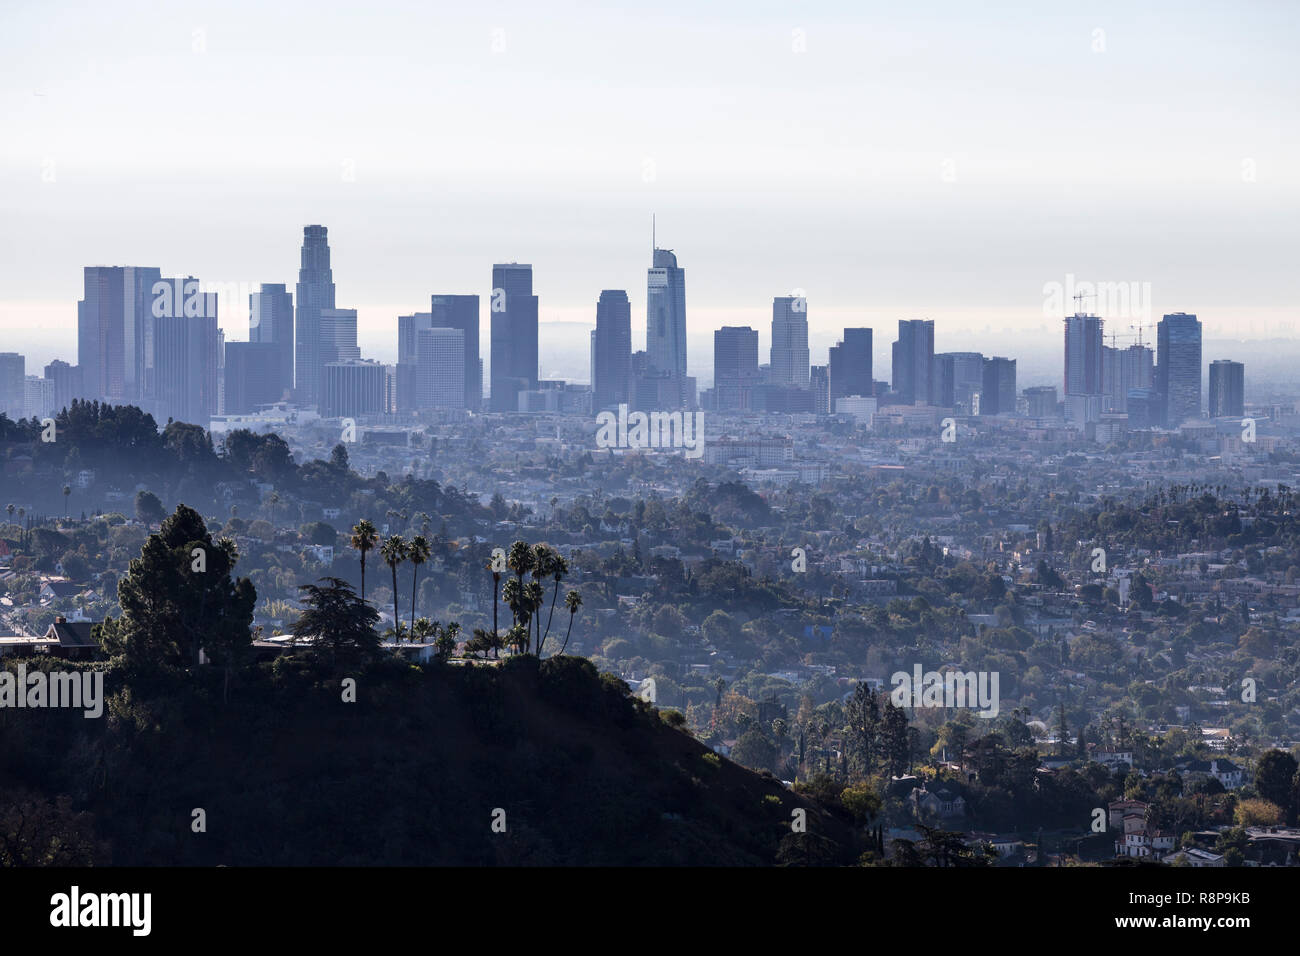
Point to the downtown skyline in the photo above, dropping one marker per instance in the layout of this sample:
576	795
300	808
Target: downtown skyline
781	151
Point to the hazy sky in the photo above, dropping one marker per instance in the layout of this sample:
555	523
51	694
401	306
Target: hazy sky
940	160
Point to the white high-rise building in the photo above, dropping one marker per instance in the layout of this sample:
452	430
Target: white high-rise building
440	368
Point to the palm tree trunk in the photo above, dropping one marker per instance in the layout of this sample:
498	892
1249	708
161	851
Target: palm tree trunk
567	633
363	574
415	574
551	616
397	623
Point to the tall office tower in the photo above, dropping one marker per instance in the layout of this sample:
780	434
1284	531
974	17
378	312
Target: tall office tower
13	388
998	395
440	368
819	380
513	335
38	397
1178	372
611	350
849	366
353	389
270	322
1041	400
913	357
735	368
967	380
1122	370
67	382
408	327
337	336
315	292
461	312
183	382
942	380
1227	389
114	327
252	376
665	331
790	356
1083	355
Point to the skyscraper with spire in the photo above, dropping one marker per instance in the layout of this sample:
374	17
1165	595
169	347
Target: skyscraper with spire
666	318
315	293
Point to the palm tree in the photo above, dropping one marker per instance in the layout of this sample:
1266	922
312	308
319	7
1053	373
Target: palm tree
394	551
496	594
559	568
448	639
573	601
417	553
67	494
512	594
364	538
10	508
535	595
422	629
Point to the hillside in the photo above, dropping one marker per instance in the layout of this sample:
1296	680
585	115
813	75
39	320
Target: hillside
410	774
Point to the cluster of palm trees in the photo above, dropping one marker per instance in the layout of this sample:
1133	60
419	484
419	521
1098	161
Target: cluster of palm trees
526	599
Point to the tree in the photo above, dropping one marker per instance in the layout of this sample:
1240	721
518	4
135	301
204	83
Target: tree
447	640
572	601
148	508
67	496
179	600
520	560
559	568
1275	779
417	553
394	552
364	538
339	625
496	594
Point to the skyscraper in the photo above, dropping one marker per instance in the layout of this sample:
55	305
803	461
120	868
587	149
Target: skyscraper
513	335
67	383
461	312
183	379
611	350
408	327
315	292
114	331
1122	370
337	336
665	331
849	366
819	380
252	376
270	322
354	389
13	386
957	378
1178	372
998	396
790	359
913	360
440	368
1083	355
735	367
1227	389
